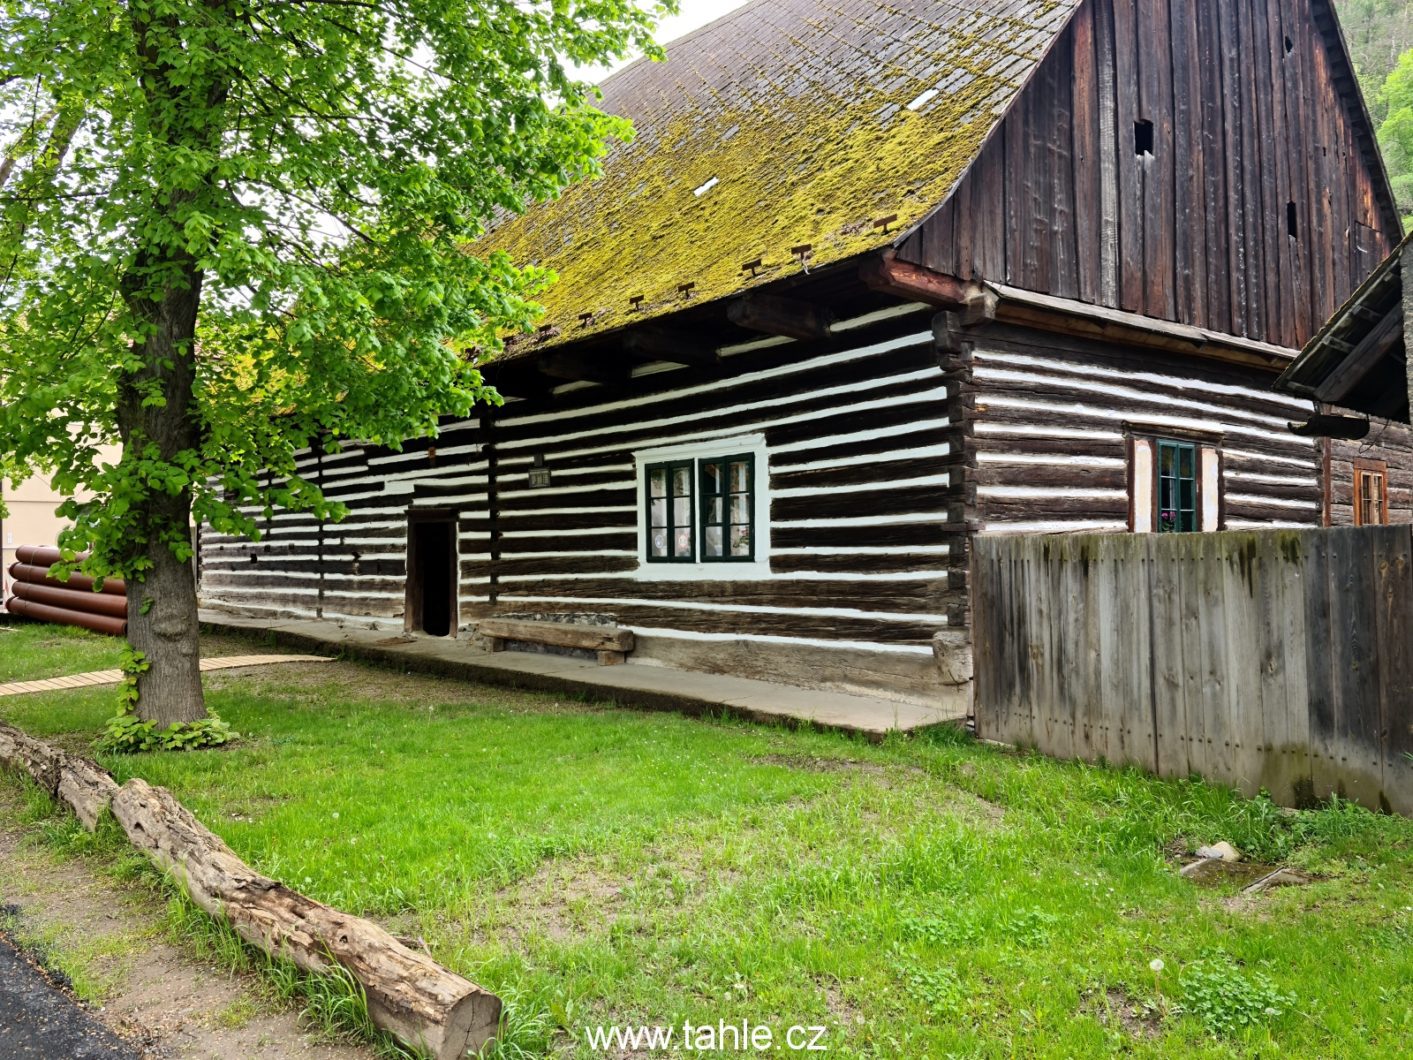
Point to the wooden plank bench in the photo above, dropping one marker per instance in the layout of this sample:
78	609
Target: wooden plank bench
610	643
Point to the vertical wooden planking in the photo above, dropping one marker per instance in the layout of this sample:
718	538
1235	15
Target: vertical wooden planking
1169	666
1290	565
964	229
1215	209
1158	171
1272	226
1280	135
1037	177
1189	168
1085	118
1208	560
988	701
1060	144
1353	654
1109	158
989	212
1229	57
1248	54
1243	737
1393	601
1135	664
1130	164
1320	649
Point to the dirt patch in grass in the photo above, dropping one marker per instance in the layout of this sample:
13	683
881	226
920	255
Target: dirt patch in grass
107	938
1116	1009
562	899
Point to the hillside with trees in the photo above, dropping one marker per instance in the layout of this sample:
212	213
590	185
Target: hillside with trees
1380	34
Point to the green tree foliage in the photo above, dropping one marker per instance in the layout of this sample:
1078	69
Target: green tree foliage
1396	132
1380	35
233	229
1378	32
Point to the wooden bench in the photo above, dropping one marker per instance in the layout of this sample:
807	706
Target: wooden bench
610	643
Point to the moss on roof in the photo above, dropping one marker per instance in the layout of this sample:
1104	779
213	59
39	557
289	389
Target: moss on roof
783	124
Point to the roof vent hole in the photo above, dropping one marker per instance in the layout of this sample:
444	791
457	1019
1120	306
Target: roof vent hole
1292	221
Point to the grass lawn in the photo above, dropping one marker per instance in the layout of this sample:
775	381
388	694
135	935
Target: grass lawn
923	898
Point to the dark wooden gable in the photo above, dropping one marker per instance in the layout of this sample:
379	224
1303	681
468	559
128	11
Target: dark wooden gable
1204	161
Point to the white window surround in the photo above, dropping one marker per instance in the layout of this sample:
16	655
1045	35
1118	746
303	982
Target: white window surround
757	569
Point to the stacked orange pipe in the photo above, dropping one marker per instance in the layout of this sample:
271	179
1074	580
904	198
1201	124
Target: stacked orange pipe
39	596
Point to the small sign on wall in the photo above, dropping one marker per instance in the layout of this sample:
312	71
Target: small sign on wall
539	478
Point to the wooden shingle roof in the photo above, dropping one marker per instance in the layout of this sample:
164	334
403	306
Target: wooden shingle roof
830	125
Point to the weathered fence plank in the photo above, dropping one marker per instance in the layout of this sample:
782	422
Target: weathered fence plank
1280	660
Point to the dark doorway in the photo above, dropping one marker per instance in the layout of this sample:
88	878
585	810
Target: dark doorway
431	573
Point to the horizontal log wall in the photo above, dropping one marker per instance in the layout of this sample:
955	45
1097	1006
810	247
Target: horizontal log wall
1280	660
1046	424
864	531
1387	443
355	570
1251	109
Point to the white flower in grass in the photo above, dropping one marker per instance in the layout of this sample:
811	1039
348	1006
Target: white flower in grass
1156	965
336	815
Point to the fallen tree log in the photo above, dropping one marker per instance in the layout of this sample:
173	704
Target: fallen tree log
417	1000
84	786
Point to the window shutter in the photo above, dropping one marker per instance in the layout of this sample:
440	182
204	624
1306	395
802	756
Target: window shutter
1211	486
1141	501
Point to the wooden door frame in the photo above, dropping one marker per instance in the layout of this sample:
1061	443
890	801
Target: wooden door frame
412	600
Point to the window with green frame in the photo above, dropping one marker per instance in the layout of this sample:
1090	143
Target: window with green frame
728	509
670	531
701	510
1177	487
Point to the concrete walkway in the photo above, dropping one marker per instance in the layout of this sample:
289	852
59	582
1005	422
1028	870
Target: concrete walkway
96	678
651	687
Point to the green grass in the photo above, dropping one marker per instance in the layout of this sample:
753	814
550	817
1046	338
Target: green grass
922	898
31	652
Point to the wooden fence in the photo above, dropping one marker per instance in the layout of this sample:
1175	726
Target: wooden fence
1280	660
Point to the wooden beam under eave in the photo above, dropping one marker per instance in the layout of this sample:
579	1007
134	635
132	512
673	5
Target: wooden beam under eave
576	368
1358	361
663	344
790	318
886	274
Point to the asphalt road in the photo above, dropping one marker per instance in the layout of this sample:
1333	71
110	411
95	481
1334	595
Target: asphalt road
40	1021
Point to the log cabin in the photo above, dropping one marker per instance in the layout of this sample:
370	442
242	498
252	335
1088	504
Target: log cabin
873	279
1358	363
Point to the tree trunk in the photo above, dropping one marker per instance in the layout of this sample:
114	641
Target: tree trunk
162	621
162	624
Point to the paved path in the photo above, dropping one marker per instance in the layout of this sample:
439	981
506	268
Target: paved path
113	677
653	687
39	1021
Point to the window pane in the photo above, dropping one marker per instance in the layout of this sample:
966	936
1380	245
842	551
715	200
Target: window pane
659	509
659	542
713	542
711	477
682	543
1167	461
657	482
740	509
714	511
740	541
682	512
740	477
682	482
